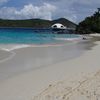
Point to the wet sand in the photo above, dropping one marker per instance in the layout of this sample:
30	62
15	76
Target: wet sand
5	55
24	78
27	58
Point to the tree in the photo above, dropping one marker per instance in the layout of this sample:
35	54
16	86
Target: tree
98	10
90	24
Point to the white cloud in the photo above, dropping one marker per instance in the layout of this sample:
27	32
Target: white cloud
28	11
75	10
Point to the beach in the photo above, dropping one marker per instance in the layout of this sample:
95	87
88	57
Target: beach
68	72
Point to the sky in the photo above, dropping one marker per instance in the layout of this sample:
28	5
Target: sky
73	10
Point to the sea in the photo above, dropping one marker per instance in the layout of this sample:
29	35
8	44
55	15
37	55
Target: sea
32	36
27	49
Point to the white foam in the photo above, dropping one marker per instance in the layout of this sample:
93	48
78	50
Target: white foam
13	47
12	54
68	39
19	46
9	48
4	49
8	58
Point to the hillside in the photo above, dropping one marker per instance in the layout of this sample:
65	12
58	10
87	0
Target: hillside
65	22
35	23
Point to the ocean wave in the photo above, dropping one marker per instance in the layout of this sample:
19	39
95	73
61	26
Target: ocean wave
13	47
19	47
8	49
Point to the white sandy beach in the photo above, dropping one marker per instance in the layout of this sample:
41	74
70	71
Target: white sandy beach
73	79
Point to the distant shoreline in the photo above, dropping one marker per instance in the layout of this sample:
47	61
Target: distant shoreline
35	23
19	27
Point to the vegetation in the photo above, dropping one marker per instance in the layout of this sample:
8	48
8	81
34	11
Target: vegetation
90	24
35	23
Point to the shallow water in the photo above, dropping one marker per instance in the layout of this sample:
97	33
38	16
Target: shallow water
23	50
37	57
31	36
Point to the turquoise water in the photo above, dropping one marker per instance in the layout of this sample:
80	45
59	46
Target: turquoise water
31	36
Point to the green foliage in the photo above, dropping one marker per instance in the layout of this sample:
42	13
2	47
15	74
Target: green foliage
23	23
90	24
35	23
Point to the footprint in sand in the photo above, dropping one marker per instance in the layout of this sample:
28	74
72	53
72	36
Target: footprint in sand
87	89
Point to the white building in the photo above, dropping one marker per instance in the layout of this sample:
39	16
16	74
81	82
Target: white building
58	26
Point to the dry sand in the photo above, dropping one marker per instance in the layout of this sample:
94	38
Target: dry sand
76	79
83	83
95	35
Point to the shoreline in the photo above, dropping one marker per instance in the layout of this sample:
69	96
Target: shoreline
33	58
32	83
10	47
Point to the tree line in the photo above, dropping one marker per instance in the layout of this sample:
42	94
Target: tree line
90	24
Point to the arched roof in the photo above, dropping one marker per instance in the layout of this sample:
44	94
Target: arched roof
58	25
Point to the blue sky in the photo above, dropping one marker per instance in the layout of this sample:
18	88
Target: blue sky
74	10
